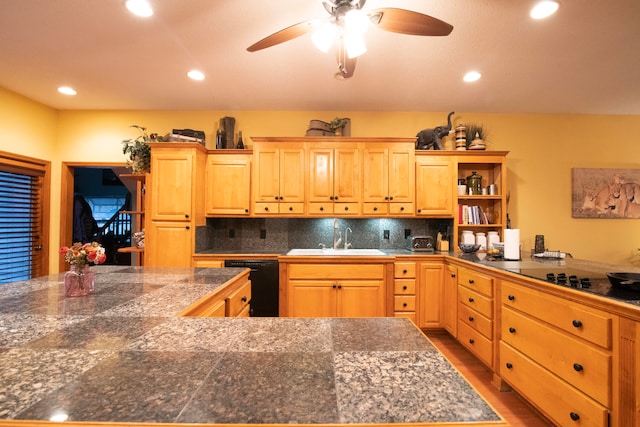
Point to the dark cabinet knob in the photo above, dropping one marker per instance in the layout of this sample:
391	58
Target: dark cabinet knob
574	416
276	197
346	208
375	209
339	286
404	288
188	228
578	367
471	281
419	210
471	341
404	304
335	198
386	197
402	208
511	297
244	299
290	208
281	198
512	330
321	208
470	299
508	365
266	208
470	318
334	286
404	271
246	210
330	197
186	215
453	275
391	198
577	323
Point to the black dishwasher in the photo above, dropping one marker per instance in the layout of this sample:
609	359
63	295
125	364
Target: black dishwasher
264	278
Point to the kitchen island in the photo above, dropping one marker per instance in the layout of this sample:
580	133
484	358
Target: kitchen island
124	357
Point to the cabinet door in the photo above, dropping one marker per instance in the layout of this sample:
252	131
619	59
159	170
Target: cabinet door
430	284
171	185
172	244
292	175
434	186
347	175
450	299
321	175
228	184
375	185
401	174
360	298
312	298
266	174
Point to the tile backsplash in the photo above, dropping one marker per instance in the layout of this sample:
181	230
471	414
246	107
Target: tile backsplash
281	234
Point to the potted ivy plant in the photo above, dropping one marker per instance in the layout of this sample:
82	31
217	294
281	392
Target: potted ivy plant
336	125
138	152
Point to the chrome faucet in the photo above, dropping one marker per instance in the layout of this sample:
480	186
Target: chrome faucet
336	241
347	245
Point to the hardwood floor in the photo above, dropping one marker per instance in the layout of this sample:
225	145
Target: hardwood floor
508	404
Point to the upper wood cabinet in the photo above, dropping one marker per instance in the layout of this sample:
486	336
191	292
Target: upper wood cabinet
334	179
388	179
278	178
434	185
228	185
171	184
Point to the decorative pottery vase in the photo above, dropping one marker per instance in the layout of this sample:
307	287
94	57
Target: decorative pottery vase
79	281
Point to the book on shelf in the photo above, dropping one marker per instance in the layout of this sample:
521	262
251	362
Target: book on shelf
471	215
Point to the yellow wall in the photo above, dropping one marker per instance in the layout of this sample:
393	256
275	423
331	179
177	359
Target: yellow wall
543	150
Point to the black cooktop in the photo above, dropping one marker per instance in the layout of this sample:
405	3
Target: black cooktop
587	281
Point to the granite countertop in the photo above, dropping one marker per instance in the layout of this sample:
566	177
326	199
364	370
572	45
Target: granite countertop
122	356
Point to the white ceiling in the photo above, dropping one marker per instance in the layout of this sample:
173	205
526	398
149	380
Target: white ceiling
584	59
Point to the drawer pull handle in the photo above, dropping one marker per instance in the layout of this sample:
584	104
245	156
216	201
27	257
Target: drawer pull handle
321	208
290	208
375	209
453	275
470	318
511	297
404	288
471	341
471	281
578	367
402	208
346	208
512	330
404	304
244	299
508	365
281	198
266	208
404	271
334	286
339	286
574	416
577	323
470	299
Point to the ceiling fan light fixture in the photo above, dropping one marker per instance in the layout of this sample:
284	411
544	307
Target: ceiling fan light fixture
354	44
356	21
544	9
324	35
139	8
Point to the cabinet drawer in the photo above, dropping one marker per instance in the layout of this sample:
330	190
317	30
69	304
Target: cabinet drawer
476	281
336	271
408	314
266	208
556	398
404	286
582	365
346	208
291	208
404	270
375	208
321	208
201	263
401	208
246	312
404	303
238	300
478	302
476	320
590	324
479	345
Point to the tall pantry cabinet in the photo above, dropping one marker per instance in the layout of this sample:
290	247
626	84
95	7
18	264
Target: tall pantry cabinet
176	205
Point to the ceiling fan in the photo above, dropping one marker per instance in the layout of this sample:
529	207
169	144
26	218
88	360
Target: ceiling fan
347	23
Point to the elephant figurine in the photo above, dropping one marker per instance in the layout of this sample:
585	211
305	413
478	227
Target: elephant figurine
428	138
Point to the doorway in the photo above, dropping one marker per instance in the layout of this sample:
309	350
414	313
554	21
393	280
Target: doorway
93	208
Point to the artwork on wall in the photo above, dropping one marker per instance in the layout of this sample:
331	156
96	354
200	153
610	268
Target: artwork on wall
605	193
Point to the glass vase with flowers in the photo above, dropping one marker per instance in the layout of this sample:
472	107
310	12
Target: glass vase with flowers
80	280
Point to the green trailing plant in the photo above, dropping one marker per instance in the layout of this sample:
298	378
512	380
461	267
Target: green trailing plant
138	152
472	130
337	123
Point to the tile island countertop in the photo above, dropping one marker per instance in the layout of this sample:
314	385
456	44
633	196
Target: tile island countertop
123	357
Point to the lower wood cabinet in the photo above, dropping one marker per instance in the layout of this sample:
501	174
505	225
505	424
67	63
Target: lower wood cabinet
430	277
231	300
558	355
173	244
450	299
335	290
404	290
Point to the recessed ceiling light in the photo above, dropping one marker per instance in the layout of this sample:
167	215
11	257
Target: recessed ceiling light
139	7
544	9
195	75
66	90
472	76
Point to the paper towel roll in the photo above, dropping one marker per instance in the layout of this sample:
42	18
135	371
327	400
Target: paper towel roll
512	244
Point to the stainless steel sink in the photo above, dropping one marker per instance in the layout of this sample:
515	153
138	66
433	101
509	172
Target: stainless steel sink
336	252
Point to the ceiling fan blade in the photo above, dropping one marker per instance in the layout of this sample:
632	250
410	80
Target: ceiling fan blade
408	22
282	36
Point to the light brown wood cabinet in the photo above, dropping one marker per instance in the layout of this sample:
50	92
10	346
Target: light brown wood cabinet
450	299
279	176
335	290
430	278
176	178
388	179
334	179
231	300
557	354
434	185
228	185
404	290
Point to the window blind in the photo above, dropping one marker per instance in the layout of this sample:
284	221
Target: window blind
20	226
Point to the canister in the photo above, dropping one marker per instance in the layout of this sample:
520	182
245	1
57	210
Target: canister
492	237
481	239
474	183
467	237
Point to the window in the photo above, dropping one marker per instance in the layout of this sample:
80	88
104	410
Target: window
23	210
